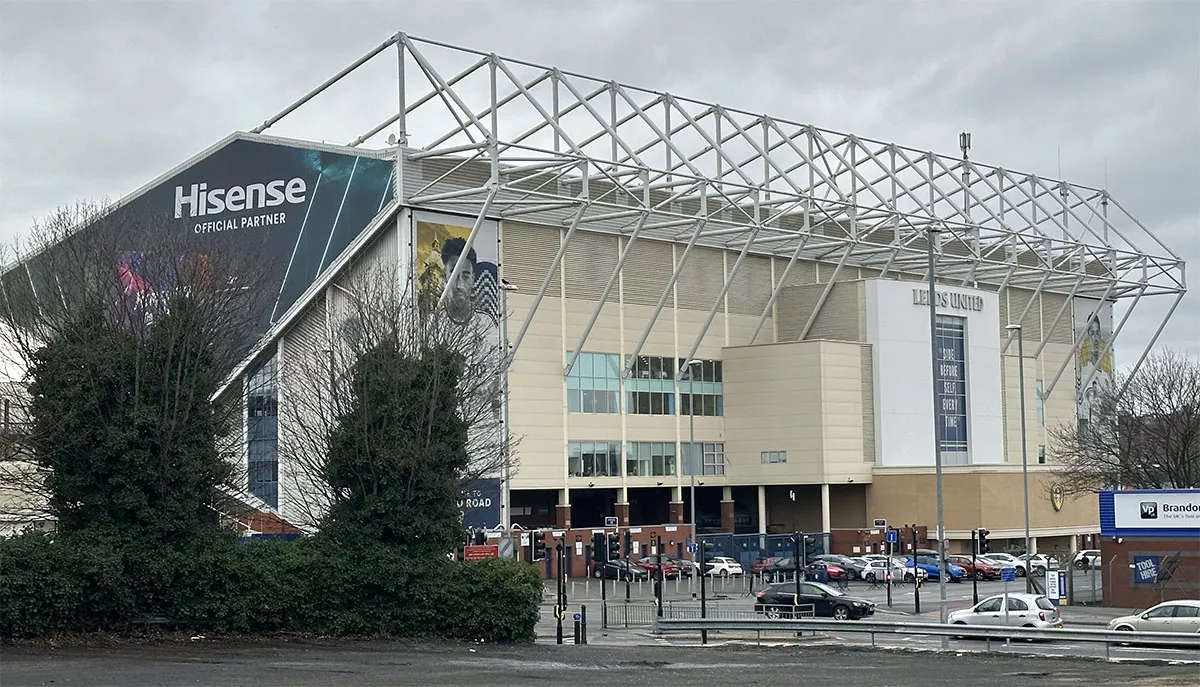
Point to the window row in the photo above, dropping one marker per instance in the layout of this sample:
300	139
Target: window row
643	458
594	385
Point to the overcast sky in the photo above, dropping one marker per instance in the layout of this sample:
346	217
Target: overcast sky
98	98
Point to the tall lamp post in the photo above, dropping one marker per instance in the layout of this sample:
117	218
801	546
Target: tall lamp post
1024	454
931	238
506	361
692	447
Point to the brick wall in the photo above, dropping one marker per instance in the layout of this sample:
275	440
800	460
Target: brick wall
1117	561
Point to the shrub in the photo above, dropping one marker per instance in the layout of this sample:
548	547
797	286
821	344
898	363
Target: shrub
85	582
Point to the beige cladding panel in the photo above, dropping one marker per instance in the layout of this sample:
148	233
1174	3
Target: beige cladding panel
661	341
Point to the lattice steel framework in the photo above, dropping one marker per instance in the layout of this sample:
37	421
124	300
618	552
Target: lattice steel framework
482	135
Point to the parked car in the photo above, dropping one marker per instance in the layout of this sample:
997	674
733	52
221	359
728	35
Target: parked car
1012	610
930	565
980	568
825	571
1006	560
1088	558
620	570
650	565
852	569
723	566
1039	562
756	567
877	570
779	569
1182	615
687	567
827	602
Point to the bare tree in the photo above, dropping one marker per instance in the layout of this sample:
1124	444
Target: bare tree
1146	438
140	276
367	310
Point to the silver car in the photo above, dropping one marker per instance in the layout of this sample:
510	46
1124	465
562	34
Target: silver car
1171	616
1010	610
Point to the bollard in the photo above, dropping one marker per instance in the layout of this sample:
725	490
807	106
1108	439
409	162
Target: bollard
576	628
583	622
572	588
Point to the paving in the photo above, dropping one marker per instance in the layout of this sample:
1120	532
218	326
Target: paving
277	663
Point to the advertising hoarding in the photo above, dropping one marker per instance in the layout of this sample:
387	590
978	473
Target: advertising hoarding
294	210
1093	330
1150	513
479	503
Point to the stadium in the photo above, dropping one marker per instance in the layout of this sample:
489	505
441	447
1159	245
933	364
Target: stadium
710	316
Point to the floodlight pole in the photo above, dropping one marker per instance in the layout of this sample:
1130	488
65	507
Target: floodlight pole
1024	455
931	237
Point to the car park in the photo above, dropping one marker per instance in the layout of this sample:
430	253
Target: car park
1182	615
852	569
878	570
780	599
651	564
929	564
1006	560
619	570
1010	610
978	568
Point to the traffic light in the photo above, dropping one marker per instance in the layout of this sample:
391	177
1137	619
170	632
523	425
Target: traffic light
984	545
480	538
628	543
814	545
598	547
706	549
614	547
539	547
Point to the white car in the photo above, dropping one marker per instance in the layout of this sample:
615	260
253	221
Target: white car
1171	616
1010	610
1004	560
723	567
1089	558
877	570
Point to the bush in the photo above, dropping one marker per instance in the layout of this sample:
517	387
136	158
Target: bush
84	583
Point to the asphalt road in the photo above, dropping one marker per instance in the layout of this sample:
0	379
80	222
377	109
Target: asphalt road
334	664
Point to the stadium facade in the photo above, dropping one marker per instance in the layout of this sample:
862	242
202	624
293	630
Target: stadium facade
690	293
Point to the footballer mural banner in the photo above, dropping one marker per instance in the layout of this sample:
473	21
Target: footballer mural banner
1094	364
293	209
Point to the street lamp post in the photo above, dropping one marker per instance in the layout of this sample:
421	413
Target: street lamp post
692	447
931	237
1024	454
505	467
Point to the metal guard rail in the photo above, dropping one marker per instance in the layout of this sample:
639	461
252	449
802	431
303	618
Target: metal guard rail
1160	639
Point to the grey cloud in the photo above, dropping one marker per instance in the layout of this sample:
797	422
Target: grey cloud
98	98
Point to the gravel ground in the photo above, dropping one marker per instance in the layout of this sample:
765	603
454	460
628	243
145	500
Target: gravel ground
304	663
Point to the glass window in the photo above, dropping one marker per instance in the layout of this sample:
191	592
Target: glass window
990	606
650	458
709	457
774	457
594	458
1187	611
951	383
1161	612
701	383
1017	605
1044	604
262	433
594	384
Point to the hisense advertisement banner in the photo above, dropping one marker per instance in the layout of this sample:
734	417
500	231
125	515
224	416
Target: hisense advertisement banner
295	209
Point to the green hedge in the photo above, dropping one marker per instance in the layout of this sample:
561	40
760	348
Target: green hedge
84	583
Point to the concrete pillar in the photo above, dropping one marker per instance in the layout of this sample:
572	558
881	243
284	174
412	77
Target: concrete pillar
622	514
762	509
826	519
562	512
727	509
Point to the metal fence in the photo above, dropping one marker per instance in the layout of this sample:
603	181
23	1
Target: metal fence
744	548
621	614
989	633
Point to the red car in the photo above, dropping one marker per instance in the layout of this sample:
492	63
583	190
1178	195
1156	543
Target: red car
650	565
978	569
759	563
